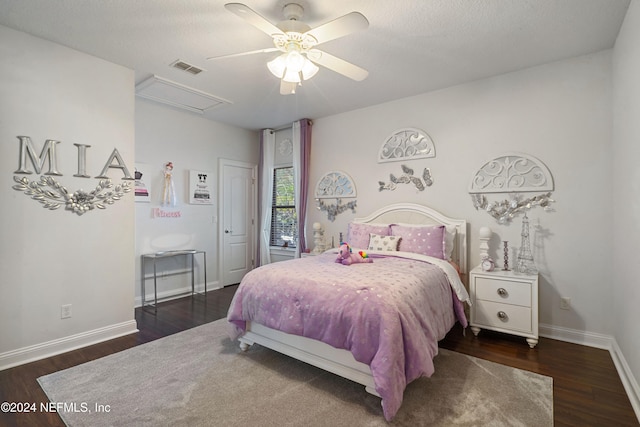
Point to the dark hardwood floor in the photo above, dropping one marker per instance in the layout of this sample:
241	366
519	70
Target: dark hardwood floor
587	390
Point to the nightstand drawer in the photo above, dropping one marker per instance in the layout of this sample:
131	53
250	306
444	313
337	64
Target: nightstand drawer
505	316
503	291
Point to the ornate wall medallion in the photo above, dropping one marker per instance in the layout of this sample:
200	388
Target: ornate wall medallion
406	144
512	173
335	185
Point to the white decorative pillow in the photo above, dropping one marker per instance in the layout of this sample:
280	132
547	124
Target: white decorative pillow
449	241
383	243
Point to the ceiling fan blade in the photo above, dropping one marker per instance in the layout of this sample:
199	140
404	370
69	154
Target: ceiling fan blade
268	50
287	88
339	27
338	65
253	18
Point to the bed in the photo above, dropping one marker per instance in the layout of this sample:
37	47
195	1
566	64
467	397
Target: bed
377	323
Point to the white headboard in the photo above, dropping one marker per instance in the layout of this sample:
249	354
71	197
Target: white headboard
411	213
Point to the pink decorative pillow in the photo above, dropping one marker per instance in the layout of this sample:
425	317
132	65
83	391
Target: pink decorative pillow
358	234
424	240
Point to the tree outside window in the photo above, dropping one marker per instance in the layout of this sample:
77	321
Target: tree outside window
284	220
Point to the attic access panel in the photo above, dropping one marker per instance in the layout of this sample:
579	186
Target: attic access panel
177	95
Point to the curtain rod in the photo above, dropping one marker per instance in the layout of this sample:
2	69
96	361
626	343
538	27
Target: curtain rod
289	126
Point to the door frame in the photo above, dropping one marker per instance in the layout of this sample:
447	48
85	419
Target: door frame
254	197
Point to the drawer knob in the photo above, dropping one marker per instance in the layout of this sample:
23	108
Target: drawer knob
502	292
502	315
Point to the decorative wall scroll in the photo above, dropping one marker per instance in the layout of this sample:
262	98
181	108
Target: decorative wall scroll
334	210
335	185
511	173
285	147
406	144
407	178
504	211
52	195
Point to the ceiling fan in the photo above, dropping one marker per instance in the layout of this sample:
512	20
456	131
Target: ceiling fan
299	59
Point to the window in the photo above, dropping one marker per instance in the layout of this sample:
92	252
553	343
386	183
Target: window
284	220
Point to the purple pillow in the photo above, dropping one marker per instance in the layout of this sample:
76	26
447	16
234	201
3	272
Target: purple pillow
424	240
358	234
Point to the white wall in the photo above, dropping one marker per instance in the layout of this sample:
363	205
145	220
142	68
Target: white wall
192	143
55	257
559	113
626	192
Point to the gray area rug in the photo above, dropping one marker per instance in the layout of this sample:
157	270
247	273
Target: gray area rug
200	378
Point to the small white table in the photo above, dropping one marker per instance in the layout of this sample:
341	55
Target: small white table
504	301
166	254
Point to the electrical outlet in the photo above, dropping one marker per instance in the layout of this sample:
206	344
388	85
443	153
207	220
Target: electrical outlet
65	311
565	303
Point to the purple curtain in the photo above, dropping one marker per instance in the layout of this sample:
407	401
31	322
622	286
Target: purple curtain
305	159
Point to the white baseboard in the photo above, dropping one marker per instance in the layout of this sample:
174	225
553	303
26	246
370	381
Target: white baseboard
590	339
177	293
627	378
605	342
35	352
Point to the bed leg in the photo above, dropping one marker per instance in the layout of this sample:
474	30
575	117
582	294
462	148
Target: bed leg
244	346
371	390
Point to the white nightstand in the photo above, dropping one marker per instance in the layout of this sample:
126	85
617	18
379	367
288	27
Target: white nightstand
504	301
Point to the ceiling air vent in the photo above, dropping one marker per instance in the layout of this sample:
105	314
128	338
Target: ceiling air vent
177	95
184	66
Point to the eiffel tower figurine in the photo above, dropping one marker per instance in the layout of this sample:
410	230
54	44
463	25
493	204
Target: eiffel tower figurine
525	257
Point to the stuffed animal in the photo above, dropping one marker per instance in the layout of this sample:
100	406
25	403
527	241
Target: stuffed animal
347	257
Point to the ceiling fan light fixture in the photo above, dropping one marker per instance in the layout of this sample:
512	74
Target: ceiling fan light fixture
296	40
291	76
278	66
309	69
292	67
294	61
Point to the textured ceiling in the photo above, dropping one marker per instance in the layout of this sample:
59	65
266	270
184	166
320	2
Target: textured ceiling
410	47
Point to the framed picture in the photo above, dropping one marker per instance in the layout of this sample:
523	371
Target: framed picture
142	185
200	187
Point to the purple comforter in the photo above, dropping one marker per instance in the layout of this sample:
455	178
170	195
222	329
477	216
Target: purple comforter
390	314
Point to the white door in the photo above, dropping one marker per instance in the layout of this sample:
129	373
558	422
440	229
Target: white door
237	224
